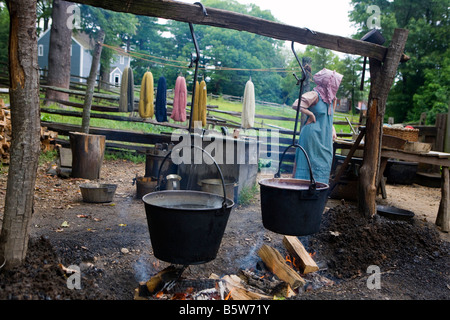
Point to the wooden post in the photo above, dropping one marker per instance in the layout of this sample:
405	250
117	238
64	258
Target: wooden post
447	132
443	217
382	76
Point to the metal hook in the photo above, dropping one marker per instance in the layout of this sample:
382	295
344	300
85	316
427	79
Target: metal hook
301	89
196	60
203	8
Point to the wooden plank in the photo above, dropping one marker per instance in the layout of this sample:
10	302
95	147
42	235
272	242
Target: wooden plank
184	12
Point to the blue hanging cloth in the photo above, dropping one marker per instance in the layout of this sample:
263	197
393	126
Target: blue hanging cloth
160	105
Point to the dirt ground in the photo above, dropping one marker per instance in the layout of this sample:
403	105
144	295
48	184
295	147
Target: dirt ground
110	244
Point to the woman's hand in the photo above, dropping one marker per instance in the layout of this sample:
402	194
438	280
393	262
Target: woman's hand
311	118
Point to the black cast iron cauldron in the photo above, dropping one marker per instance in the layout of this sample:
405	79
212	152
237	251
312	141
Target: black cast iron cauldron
292	206
186	227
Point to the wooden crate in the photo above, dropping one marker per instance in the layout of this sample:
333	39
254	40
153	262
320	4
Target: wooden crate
406	134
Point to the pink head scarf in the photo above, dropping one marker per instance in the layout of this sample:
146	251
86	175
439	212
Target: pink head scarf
327	84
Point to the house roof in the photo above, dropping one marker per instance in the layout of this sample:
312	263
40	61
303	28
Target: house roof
83	39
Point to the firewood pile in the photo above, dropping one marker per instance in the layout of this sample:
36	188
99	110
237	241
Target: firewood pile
48	138
273	277
5	132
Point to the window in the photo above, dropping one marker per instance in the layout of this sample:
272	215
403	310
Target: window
116	79
122	59
41	50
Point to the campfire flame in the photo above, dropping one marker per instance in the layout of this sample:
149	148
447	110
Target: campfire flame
229	294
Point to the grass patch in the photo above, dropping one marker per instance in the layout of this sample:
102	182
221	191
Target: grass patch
248	194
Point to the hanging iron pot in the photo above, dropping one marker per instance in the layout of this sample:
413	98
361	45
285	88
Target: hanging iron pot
292	206
186	227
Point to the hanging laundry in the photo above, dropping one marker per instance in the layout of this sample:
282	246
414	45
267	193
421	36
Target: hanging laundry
179	100
202	103
161	101
146	103
130	91
126	91
196	110
248	107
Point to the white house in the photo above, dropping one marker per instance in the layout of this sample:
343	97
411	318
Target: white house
81	58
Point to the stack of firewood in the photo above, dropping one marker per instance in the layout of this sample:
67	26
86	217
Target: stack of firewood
5	132
48	138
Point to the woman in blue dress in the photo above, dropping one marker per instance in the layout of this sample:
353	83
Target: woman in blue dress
318	133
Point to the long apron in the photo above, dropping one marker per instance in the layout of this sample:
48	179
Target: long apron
317	140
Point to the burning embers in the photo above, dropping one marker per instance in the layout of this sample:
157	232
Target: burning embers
274	276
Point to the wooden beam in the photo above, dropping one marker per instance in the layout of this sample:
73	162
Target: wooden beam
184	12
111	134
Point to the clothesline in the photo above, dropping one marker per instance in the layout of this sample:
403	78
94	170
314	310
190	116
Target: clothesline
139	55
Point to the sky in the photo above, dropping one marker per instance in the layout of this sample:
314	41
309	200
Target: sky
326	16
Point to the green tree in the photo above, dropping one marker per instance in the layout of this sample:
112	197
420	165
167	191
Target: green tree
4	35
222	49
117	26
427	46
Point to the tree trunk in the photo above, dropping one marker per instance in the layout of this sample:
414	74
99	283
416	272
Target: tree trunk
59	51
87	155
25	146
381	78
91	83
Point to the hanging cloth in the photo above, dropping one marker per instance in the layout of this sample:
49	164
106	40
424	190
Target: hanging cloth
123	98
130	90
202	103
179	100
146	104
196	109
161	101
248	107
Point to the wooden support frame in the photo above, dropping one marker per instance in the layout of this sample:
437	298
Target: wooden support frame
383	64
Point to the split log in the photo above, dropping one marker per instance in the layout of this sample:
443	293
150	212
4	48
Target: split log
298	251
237	290
277	265
162	278
87	155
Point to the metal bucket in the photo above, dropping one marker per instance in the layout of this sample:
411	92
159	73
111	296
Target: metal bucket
292	206
144	185
215	186
186	227
154	159
97	192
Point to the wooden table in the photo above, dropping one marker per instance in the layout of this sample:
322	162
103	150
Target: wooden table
434	158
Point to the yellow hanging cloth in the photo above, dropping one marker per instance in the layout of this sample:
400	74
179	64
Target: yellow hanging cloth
202	103
196	111
146	103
